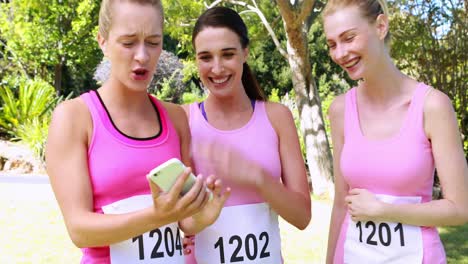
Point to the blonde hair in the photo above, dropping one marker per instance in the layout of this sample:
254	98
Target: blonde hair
370	9
105	13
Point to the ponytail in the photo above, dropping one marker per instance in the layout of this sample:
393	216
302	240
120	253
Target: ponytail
251	86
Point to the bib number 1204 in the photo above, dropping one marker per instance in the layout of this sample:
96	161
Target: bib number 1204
384	233
171	243
251	247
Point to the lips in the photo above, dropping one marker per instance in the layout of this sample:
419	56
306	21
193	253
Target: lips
219	81
351	63
140	74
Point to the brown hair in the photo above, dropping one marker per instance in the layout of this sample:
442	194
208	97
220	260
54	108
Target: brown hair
370	9
105	12
223	17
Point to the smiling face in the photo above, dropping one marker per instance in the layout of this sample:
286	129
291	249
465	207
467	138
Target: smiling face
220	59
133	44
354	43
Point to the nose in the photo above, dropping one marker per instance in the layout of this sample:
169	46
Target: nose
141	54
217	66
340	52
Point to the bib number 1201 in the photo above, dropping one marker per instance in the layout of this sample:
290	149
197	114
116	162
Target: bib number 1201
171	243
384	233
251	247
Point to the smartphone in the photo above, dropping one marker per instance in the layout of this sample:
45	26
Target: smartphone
165	176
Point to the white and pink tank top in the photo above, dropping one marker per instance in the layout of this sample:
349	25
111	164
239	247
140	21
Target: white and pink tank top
118	165
399	169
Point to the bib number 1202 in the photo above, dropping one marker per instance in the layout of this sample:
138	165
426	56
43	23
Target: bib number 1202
384	233
171	243
251	247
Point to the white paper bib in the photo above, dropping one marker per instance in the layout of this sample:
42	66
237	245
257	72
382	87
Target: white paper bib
383	242
162	245
242	234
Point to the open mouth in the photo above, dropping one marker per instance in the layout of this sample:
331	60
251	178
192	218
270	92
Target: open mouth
140	74
352	63
220	80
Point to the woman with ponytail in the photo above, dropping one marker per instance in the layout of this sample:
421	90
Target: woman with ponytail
251	144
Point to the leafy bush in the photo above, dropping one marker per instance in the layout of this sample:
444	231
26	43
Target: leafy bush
26	111
31	99
34	134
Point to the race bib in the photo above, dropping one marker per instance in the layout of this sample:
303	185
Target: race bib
242	234
384	242
162	245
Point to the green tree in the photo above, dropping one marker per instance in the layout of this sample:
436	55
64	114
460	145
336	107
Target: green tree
287	24
430	40
52	39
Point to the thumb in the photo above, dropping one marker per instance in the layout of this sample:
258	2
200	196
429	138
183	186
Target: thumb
155	190
355	191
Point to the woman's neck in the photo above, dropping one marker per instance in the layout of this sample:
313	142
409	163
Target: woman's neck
228	105
384	83
115	94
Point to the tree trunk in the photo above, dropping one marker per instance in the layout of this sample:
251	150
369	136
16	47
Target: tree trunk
319	159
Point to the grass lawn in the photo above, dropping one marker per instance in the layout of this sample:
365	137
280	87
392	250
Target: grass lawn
456	243
33	232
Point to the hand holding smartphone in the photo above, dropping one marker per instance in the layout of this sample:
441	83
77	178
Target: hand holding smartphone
166	174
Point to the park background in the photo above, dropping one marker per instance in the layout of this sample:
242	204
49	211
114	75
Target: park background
48	54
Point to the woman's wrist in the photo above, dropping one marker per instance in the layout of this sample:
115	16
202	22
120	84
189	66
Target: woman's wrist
384	212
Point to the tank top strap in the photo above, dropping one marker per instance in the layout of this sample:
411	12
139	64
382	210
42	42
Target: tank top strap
416	112
260	105
351	117
101	119
93	105
162	113
193	113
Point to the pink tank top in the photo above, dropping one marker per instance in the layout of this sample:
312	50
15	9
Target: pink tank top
257	140
118	164
402	165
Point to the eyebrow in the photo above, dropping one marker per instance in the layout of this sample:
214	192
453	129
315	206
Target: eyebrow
342	33
347	31
134	35
207	52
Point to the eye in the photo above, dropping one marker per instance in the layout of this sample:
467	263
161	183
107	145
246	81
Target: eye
204	58
228	55
154	44
349	38
331	45
127	44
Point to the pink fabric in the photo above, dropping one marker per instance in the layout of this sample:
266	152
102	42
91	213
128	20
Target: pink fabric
402	165
257	140
118	164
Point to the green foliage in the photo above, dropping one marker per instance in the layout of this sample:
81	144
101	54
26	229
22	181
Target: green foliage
180	17
34	134
54	40
168	89
26	111
190	70
270	67
166	93
274	97
192	96
31	99
429	43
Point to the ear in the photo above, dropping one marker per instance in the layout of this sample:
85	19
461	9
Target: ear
382	26
102	43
